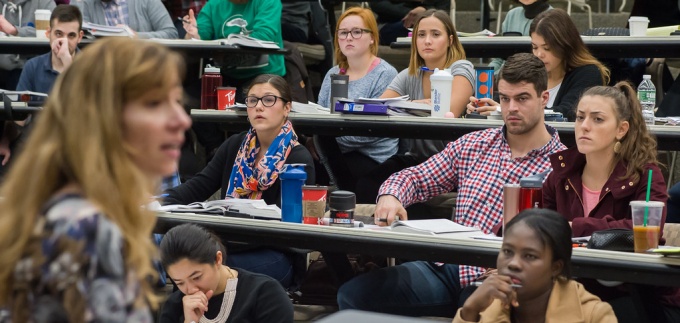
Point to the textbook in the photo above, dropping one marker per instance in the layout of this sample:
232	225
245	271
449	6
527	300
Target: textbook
256	209
430	226
247	41
104	30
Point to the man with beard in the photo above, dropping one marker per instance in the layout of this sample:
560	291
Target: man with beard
40	73
144	18
64	34
477	165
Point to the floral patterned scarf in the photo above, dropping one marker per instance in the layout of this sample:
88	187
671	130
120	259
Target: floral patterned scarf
248	180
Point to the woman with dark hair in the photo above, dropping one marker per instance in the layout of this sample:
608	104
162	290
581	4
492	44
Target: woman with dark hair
533	282
210	291
593	183
518	20
248	165
571	68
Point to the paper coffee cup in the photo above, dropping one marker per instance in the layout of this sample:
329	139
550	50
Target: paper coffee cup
638	25
226	97
42	22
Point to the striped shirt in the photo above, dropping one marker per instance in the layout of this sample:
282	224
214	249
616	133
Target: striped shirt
116	12
477	165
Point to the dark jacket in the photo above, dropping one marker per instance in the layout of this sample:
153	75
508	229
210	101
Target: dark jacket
575	82
216	175
259	298
562	192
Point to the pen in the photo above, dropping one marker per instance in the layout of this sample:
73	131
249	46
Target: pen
479	283
183	20
424	68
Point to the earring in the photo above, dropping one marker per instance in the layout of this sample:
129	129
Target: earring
617	147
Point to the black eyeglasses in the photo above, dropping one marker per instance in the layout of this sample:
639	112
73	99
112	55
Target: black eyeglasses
267	100
356	33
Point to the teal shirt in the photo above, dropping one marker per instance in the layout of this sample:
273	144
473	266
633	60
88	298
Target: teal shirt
263	18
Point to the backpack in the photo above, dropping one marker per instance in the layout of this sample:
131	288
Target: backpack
297	75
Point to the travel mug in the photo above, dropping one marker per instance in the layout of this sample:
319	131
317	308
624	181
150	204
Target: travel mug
339	89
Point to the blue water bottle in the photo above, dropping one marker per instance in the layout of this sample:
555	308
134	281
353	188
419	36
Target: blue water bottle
292	180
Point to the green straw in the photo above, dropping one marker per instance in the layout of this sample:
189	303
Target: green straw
649	187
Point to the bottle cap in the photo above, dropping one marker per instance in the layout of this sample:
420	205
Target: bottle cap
342	200
533	181
646	77
294	171
211	69
441	75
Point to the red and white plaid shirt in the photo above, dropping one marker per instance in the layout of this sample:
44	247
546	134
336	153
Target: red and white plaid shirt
477	164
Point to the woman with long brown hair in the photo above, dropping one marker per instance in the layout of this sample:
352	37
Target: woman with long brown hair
571	67
593	183
74	239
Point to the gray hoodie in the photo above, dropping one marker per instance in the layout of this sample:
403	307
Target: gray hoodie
21	13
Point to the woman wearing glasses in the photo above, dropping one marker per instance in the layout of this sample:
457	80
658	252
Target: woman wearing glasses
356	47
248	165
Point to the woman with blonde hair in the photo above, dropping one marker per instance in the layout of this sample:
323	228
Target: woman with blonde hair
434	44
356	49
75	242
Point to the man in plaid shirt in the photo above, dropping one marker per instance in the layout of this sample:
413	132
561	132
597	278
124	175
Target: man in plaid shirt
477	165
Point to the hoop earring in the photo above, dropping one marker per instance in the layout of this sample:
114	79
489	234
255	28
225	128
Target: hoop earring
617	147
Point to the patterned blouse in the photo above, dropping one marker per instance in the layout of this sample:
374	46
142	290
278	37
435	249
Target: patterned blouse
78	260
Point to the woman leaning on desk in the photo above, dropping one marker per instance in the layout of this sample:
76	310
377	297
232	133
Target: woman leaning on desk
248	165
571	68
592	184
209	290
533	280
74	239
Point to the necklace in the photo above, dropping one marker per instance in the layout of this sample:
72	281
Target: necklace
227	301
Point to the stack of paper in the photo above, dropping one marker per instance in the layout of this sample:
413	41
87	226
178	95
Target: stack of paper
431	226
104	30
253	208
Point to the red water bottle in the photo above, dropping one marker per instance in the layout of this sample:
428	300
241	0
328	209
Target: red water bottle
531	192
211	80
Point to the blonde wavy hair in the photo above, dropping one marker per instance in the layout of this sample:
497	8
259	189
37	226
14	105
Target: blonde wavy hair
455	52
369	20
78	139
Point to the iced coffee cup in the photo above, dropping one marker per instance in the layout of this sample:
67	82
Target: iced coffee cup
646	224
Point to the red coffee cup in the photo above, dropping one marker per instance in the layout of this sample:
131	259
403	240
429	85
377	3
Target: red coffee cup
313	204
226	97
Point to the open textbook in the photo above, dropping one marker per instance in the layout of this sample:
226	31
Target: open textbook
430	226
97	30
257	209
247	41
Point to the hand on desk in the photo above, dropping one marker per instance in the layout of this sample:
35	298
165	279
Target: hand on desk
7	27
387	209
483	106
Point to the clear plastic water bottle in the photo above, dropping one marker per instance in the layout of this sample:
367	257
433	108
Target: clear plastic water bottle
646	93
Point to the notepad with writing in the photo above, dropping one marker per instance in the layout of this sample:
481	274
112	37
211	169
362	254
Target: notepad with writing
430	226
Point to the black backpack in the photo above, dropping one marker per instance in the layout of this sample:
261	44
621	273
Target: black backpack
297	75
